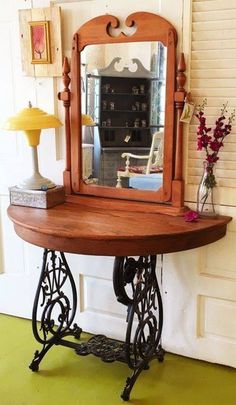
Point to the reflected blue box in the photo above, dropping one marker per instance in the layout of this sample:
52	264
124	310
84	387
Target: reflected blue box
146	181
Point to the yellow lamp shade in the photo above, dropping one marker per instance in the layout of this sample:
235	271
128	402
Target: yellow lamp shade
87	120
31	121
31	118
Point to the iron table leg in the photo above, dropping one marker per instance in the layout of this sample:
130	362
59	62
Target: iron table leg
135	285
53	306
144	305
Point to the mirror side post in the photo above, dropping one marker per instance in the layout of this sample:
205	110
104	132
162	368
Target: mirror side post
178	183
65	97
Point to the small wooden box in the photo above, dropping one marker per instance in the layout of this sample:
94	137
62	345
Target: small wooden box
37	198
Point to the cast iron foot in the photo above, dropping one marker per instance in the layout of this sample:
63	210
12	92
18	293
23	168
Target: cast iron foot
160	354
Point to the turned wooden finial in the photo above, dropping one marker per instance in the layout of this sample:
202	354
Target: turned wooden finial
65	94
181	77
65	74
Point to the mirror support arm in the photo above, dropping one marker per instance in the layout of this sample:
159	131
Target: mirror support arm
65	97
180	94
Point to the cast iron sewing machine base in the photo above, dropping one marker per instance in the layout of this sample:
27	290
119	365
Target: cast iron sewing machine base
144	314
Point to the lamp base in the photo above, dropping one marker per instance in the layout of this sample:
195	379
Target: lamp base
36	182
37	198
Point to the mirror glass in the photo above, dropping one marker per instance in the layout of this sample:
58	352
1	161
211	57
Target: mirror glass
125	97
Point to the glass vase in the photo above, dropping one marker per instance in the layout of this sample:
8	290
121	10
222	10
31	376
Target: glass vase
205	194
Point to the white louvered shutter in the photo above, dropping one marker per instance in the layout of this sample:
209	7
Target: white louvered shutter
213	75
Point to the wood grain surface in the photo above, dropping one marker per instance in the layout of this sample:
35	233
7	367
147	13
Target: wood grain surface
89	230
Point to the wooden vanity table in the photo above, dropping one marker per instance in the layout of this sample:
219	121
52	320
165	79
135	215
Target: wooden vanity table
132	225
91	230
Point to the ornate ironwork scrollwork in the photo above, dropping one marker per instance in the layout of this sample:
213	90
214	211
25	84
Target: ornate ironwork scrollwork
136	286
107	349
55	304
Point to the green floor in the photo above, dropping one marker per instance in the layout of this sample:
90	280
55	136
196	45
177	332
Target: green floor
65	378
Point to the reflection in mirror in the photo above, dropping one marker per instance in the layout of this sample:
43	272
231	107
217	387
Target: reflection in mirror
125	97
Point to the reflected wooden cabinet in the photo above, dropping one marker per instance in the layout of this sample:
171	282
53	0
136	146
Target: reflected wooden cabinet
124	112
121	108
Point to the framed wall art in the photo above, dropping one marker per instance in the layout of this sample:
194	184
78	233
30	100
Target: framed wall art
40	42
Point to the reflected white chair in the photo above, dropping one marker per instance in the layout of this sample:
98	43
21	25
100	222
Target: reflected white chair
154	161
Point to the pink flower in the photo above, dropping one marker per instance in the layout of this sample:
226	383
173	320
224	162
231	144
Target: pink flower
191	216
203	141
216	145
212	158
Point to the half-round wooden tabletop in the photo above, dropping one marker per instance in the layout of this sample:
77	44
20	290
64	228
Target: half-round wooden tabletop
82	229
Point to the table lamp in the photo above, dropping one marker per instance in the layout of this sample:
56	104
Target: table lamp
31	120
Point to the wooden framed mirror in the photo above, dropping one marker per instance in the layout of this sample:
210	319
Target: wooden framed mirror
145	32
